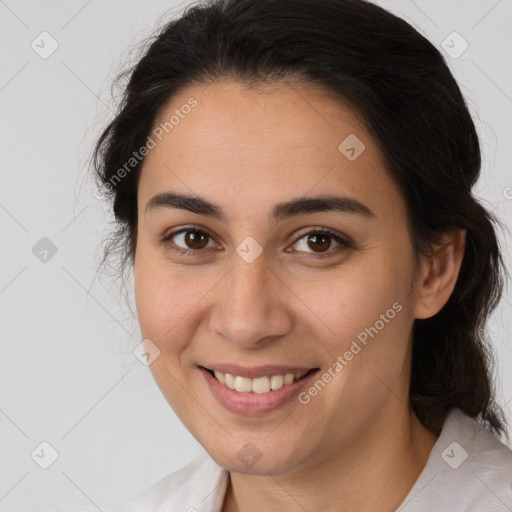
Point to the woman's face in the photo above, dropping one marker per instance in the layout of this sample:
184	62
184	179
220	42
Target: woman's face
257	295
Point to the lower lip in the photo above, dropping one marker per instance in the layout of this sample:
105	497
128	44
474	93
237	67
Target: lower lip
253	404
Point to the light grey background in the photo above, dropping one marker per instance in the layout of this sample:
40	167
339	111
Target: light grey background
67	374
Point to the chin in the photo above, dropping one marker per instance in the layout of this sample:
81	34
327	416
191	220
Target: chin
251	460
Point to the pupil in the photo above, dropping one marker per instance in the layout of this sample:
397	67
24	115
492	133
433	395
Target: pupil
320	241
194	237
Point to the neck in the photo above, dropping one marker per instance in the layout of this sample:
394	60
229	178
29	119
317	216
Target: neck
376	472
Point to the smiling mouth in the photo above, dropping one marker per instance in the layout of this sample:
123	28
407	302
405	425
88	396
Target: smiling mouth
258	385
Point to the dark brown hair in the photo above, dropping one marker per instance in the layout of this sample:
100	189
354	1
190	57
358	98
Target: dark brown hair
402	88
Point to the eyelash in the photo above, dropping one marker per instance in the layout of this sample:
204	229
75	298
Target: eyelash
315	231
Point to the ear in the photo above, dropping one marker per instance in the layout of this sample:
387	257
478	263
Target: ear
439	274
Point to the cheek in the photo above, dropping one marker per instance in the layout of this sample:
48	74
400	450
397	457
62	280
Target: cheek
369	322
365	312
353	300
339	304
168	301
162	303
159	303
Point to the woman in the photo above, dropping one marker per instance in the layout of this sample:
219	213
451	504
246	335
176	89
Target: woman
292	184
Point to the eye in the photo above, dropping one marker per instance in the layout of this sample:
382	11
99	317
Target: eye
189	241
320	241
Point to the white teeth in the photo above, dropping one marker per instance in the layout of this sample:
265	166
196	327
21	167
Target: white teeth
257	385
276	381
243	384
261	385
289	378
219	376
229	381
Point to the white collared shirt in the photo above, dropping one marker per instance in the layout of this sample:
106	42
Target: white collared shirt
468	470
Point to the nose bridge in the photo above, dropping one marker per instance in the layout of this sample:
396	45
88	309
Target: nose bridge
249	307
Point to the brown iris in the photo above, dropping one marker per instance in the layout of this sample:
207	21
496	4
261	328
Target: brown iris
320	241
196	239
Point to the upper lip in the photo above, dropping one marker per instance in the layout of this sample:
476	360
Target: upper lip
256	371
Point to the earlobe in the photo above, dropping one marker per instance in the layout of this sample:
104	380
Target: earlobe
439	274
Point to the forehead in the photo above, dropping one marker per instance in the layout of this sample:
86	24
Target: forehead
260	143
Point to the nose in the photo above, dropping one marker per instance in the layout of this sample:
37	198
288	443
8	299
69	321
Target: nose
251	309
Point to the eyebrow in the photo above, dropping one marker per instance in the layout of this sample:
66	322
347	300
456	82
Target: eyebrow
301	205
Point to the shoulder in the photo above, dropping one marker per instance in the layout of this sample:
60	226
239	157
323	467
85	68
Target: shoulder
468	469
200	485
489	466
483	452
